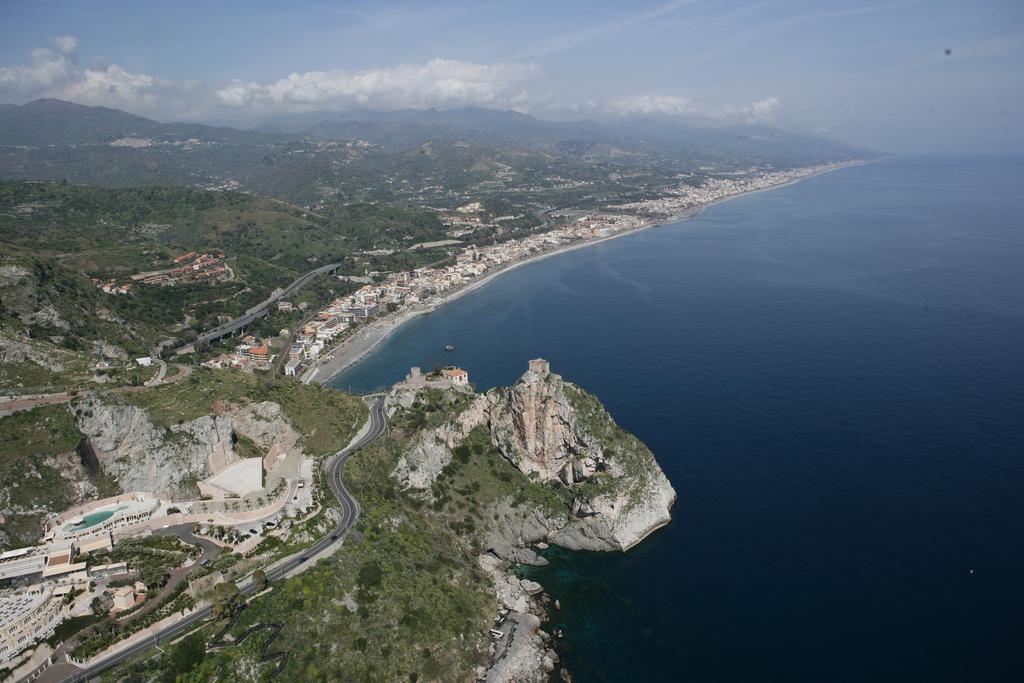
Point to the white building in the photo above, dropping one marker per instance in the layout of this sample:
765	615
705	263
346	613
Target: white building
456	376
29	616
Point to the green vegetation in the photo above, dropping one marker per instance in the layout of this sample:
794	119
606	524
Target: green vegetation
403	598
47	430
628	451
39	468
407	602
71	626
107	631
151	224
54	237
185	658
27	374
408	599
325	418
151	556
479	475
54	302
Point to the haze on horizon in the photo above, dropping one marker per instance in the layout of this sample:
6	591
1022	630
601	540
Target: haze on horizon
919	76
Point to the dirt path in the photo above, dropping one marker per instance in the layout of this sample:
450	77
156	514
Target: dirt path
18	405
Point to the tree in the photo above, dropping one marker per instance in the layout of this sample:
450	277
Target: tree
223	599
185	657
259	579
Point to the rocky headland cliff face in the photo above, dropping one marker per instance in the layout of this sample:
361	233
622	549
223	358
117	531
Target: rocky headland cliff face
592	486
553	431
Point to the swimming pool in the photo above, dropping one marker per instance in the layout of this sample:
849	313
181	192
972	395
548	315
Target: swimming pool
92	519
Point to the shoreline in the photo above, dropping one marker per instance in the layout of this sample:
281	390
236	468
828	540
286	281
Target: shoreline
368	339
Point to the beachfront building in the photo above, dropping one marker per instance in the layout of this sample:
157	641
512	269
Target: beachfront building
293	367
441	379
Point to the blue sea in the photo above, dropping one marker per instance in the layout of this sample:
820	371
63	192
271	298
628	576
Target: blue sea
832	376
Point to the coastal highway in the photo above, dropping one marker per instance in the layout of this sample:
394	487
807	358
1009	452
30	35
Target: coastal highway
377	424
257	311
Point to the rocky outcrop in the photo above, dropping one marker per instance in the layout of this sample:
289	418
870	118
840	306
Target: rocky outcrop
14	351
265	424
432	450
528	657
142	456
524	652
537	428
552	430
591	485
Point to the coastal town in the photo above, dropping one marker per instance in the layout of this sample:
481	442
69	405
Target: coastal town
395	296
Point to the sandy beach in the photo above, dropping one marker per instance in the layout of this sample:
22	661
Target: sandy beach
367	339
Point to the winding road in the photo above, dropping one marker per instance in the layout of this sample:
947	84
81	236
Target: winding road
257	311
375	427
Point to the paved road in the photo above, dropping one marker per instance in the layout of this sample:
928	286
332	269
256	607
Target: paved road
159	377
63	670
257	311
378	424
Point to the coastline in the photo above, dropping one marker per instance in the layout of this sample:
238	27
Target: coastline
368	339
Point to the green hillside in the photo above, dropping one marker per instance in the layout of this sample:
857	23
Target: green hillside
55	237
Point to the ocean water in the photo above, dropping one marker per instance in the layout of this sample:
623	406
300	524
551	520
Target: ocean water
832	376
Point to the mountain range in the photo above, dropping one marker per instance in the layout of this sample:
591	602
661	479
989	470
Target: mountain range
377	156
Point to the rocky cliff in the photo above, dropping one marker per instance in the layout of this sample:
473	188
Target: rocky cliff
553	431
142	456
576	479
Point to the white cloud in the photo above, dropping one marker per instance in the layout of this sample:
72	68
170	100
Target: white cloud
664	105
437	83
441	83
762	111
57	74
66	44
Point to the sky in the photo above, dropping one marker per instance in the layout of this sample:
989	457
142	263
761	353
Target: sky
911	76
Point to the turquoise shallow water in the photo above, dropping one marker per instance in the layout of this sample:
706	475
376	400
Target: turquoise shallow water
832	376
92	519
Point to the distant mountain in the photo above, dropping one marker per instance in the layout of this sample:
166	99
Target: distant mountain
753	144
649	136
381	156
52	122
56	122
408	128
